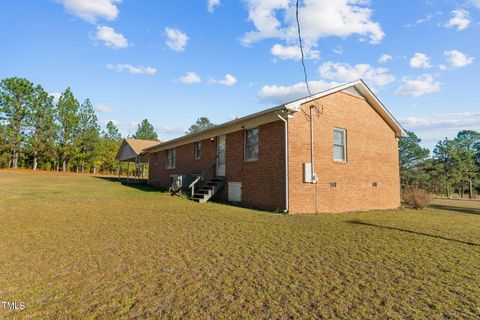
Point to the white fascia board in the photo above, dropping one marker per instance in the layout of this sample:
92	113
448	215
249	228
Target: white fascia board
371	98
296	105
246	122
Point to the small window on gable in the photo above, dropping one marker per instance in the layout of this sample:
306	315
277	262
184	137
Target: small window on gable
339	144
170	159
251	145
198	150
374	184
333	185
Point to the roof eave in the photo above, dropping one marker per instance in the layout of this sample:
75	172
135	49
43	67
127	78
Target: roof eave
219	128
366	92
293	106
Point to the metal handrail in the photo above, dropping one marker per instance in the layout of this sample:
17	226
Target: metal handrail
192	185
200	177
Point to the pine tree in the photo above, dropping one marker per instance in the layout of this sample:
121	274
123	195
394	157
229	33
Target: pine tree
110	142
15	103
200	125
88	135
112	133
145	131
68	119
412	157
42	128
444	154
3	145
466	144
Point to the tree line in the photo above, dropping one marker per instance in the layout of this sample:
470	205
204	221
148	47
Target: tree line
453	168
37	133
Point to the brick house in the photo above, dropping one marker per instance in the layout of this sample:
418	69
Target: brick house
335	151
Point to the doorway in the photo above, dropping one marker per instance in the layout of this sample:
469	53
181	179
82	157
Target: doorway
220	167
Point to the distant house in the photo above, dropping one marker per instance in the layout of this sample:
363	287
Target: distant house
131	150
332	152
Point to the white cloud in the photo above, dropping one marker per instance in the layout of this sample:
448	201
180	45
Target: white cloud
104	108
319	19
166	129
425	19
420	60
475	3
460	19
176	39
110	38
91	10
344	72
419	86
280	94
384	58
293	52
229	80
338	50
190	78
212	4
56	96
132	69
458	59
444	121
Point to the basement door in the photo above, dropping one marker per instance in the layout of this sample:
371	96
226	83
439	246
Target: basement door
221	140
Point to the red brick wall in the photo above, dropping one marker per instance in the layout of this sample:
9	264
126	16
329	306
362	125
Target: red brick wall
185	162
263	181
372	156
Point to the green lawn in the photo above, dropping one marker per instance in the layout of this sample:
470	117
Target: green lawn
78	247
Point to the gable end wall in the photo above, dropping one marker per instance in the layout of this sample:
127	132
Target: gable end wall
372	156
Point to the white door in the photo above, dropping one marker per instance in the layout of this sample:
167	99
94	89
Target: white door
221	156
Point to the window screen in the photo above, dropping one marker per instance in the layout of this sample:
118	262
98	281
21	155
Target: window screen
339	145
198	150
251	145
170	159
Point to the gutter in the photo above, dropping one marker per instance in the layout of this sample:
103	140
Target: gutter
208	132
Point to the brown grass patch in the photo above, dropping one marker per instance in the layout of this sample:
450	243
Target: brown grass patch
77	247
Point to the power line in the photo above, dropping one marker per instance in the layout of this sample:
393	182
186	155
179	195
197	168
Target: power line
301	50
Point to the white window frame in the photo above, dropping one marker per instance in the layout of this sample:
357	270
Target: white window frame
344	132
246	145
170	158
198	155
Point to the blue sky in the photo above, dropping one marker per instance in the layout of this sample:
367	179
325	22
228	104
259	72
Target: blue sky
175	61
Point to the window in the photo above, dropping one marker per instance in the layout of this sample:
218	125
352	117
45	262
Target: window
198	150
333	185
170	159
251	145
339	145
374	184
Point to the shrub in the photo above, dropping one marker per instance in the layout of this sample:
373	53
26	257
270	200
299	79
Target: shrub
416	198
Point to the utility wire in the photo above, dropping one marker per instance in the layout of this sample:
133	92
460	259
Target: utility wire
301	50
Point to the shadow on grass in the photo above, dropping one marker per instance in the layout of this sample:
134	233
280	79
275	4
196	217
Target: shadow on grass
139	184
358	222
455	208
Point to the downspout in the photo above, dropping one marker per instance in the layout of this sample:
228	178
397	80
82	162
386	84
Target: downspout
286	161
312	161
311	145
